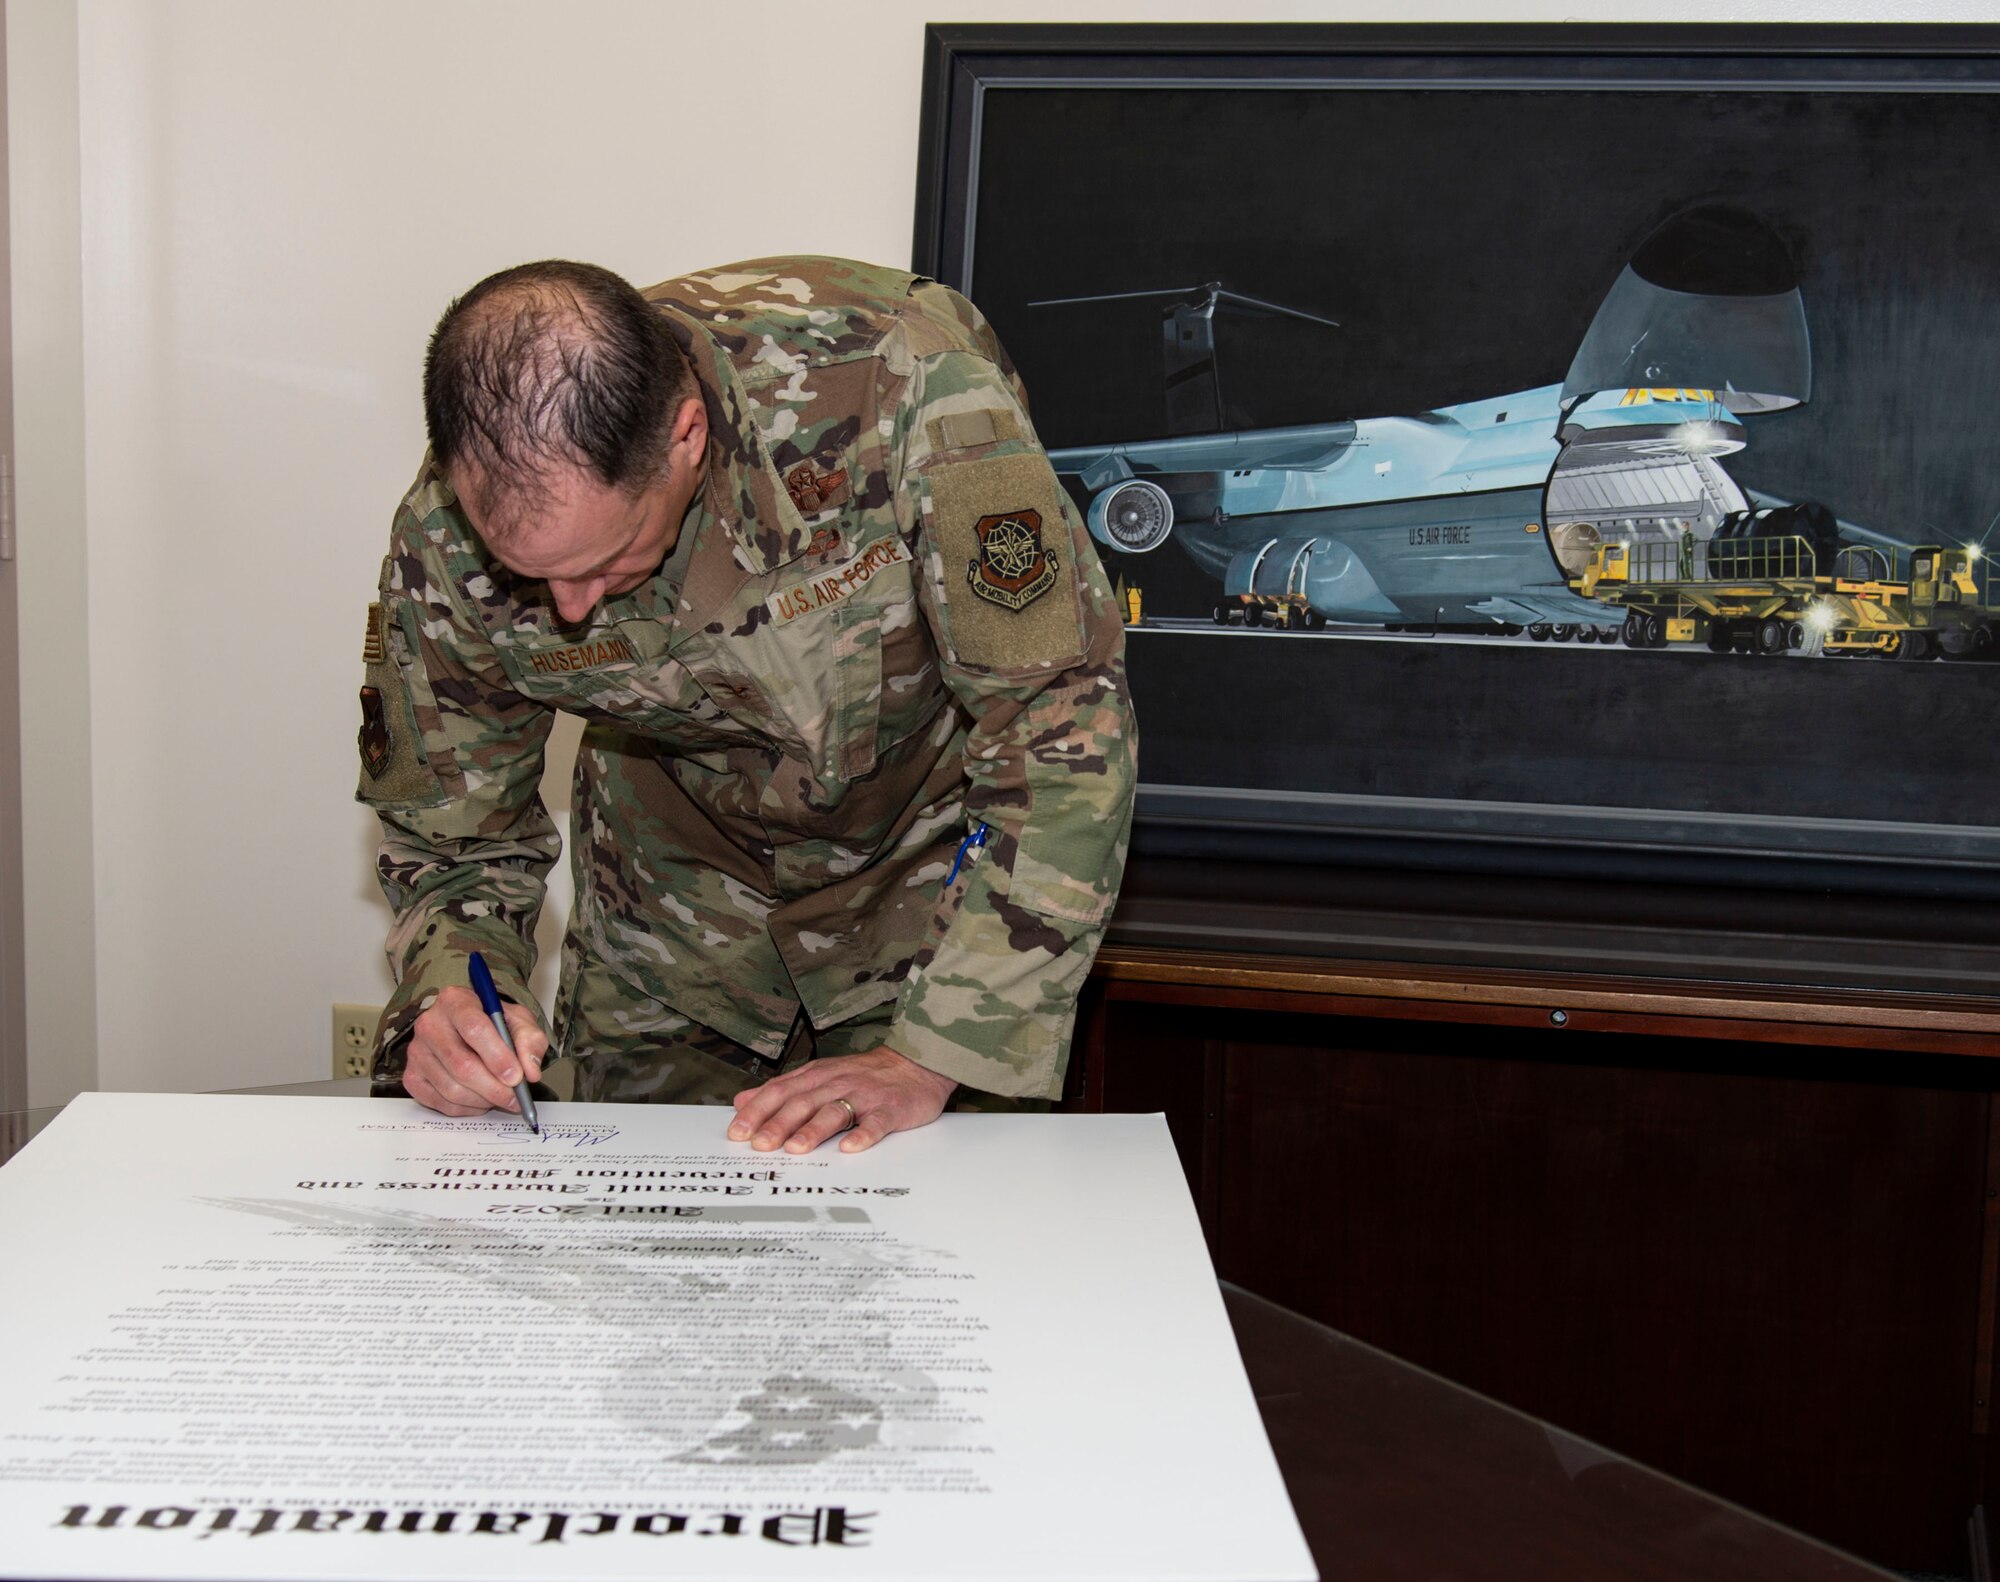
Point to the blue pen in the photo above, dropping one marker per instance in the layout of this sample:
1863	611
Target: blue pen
489	1000
972	842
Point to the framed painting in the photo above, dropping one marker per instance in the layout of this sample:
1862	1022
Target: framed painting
1555	449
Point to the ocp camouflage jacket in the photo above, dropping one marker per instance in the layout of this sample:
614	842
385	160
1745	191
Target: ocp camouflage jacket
883	625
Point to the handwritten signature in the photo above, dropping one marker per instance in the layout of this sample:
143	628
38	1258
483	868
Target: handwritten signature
561	1136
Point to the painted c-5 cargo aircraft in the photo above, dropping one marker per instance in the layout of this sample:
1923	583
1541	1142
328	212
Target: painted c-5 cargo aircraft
1476	515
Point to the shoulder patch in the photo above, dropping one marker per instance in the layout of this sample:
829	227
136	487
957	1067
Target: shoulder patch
1013	567
376	744
1009	576
395	770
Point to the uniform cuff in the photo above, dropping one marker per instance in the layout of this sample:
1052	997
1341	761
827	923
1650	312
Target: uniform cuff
993	1015
1020	1074
418	990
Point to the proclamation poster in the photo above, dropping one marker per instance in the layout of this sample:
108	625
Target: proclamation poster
261	1337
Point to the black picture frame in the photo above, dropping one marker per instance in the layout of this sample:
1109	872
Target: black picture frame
1046	149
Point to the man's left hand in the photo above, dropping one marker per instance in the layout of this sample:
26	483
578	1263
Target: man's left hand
801	1109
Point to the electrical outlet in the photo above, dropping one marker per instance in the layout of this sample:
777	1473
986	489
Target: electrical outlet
354	1039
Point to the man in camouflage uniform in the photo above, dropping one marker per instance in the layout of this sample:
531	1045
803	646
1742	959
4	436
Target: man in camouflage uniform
857	769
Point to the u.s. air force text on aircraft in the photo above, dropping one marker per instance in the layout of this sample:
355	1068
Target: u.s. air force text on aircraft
1439	533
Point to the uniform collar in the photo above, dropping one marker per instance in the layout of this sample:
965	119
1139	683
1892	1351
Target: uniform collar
743	490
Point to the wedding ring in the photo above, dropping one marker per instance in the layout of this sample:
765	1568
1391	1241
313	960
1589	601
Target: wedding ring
850	1114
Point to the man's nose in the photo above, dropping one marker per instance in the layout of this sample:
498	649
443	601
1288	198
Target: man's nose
575	600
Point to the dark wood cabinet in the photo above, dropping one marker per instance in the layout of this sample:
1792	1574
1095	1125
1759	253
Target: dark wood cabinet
1747	1234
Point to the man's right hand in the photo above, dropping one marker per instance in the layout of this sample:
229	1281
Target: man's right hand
458	1064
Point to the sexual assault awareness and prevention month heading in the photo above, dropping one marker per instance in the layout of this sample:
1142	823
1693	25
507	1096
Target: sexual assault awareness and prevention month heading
256	1337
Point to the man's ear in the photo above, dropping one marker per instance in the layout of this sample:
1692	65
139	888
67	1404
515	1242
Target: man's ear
691	429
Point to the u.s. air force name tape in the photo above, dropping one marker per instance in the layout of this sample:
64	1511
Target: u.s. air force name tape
826	588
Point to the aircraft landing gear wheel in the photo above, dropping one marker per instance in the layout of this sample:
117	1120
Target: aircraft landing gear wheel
1586	634
1771	636
1253	615
1562	633
1222	615
1607	634
1539	632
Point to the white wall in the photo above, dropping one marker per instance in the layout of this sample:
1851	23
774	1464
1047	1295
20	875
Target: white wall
235	221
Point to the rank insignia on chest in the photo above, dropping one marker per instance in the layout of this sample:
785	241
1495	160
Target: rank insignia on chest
373	740
1013	567
814	489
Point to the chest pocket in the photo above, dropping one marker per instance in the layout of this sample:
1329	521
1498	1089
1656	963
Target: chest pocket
908	685
860	673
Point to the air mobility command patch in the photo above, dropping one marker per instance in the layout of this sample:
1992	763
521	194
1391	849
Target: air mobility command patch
1010	594
1013	567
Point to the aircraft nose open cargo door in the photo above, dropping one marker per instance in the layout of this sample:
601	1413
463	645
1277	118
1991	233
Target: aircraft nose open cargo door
1616	493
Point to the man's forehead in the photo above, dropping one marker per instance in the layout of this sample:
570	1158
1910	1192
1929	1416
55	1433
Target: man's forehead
558	523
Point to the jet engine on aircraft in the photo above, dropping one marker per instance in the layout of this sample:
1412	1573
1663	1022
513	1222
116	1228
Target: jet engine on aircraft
1134	516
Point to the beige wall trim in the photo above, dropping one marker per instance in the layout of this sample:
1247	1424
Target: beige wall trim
58	884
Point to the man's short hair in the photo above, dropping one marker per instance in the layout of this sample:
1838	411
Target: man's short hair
554	364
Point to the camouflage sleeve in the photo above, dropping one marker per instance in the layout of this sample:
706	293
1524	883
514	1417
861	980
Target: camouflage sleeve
1032	644
451	761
